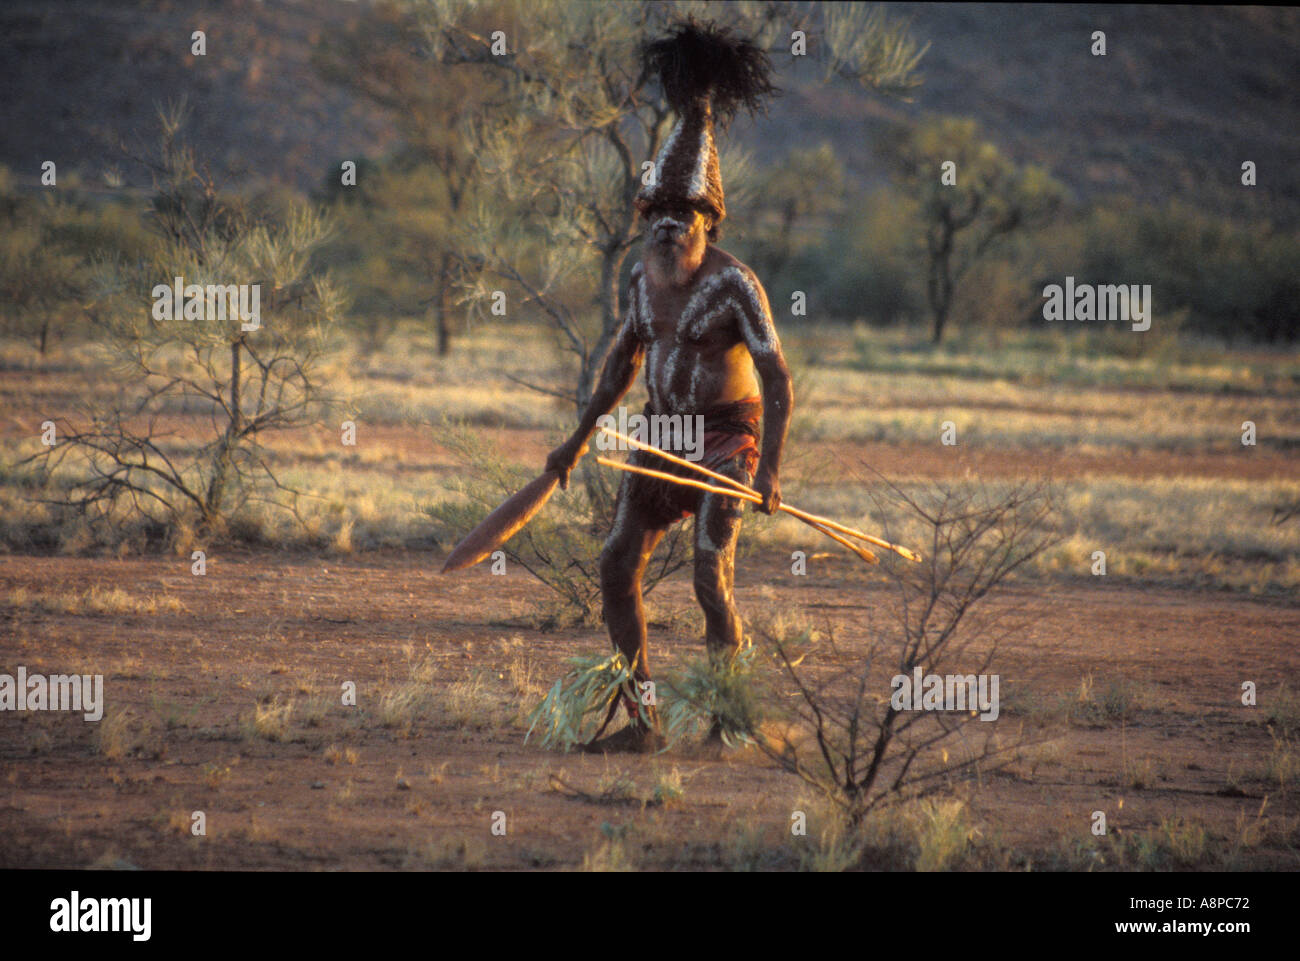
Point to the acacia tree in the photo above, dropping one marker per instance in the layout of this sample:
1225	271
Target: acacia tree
414	204
45	238
119	461
808	186
37	277
965	209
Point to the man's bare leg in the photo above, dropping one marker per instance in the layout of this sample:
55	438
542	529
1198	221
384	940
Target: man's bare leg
717	529
622	563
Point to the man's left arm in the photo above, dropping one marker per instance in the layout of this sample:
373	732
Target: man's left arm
759	332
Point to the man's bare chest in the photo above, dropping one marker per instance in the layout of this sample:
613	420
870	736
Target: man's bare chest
703	314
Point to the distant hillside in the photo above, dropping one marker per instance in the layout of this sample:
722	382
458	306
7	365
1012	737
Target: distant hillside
77	77
1184	95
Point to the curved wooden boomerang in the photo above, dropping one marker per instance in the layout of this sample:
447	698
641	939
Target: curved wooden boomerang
824	524
503	523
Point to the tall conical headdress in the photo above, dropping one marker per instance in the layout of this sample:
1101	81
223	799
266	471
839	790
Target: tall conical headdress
707	74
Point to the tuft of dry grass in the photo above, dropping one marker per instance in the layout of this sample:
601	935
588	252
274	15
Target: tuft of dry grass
342	541
96	600
1284	712
403	703
926	834
457	854
123	732
340	755
1282	767
944	835
521	675
215	774
1175	842
609	855
668	788
1139	774
1117	702
268	720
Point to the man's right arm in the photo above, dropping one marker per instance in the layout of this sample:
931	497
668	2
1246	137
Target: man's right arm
616	379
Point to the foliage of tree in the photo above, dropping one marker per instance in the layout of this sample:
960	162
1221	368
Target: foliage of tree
46	240
121	461
403	220
806	187
984	199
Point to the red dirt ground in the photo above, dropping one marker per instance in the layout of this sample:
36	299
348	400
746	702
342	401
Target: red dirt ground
261	624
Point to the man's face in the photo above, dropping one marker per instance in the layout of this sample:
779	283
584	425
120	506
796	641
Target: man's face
677	228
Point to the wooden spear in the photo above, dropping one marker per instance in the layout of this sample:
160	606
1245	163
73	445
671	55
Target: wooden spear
752	496
814	520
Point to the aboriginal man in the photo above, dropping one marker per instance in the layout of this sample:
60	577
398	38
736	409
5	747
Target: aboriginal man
698	321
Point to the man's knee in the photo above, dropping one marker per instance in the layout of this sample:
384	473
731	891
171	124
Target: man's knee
618	569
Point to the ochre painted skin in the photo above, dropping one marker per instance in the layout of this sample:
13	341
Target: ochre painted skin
699	322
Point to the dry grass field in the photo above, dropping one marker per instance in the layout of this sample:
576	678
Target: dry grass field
223	692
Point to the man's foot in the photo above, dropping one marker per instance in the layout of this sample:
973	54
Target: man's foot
633	739
711	747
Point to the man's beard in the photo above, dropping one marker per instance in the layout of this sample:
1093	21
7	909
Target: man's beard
674	263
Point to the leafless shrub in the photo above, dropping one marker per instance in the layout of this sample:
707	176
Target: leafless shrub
838	728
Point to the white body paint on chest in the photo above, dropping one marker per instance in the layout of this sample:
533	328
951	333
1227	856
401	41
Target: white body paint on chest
730	290
759	335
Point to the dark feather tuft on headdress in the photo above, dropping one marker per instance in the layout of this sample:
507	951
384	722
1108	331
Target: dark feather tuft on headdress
703	60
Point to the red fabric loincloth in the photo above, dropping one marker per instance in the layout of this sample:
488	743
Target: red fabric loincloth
731	433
